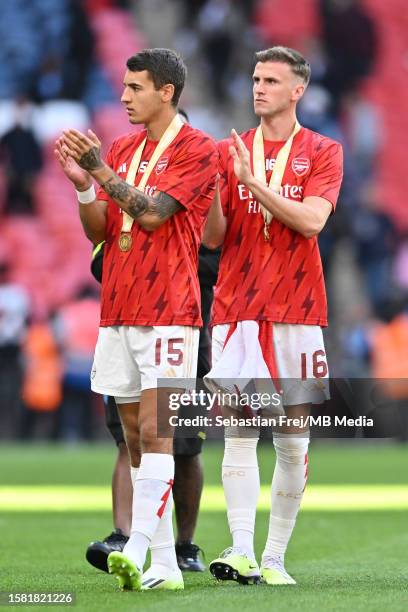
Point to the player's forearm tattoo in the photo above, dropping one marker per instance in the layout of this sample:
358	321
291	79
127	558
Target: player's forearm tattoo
91	160
164	205
136	203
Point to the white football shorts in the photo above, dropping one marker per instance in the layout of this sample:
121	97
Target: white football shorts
129	359
300	358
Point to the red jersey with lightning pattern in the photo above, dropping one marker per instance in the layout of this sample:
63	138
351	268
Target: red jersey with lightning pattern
156	283
280	280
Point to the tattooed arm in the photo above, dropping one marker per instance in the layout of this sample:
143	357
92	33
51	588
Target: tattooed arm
150	212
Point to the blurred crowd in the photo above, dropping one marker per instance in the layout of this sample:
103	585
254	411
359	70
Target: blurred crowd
63	63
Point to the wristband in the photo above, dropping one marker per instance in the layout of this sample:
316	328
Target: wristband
86	197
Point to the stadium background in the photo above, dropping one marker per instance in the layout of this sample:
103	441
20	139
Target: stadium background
62	66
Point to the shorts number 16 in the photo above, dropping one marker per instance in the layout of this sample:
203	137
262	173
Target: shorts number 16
319	365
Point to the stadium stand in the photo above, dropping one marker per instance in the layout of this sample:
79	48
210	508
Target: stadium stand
47	250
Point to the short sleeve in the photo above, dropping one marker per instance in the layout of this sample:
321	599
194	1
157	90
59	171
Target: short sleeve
192	174
326	175
223	176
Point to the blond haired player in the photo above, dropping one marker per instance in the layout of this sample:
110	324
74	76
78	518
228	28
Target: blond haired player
278	186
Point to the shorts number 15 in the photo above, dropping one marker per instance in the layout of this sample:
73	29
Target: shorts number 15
174	355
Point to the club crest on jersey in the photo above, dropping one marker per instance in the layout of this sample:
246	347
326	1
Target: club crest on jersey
162	165
300	165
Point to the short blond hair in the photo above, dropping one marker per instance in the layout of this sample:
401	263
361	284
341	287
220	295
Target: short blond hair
300	67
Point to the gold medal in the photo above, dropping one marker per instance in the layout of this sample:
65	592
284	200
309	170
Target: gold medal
275	182
125	242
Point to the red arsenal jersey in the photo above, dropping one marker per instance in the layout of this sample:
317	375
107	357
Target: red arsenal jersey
280	280
155	283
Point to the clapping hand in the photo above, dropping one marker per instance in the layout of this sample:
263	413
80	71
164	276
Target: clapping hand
241	157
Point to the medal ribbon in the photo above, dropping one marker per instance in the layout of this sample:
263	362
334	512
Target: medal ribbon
258	156
167	138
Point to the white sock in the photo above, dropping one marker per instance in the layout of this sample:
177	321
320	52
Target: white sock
288	484
162	544
240	477
151	490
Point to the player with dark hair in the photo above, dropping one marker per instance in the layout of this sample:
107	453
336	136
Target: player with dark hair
188	476
155	191
278	185
164	66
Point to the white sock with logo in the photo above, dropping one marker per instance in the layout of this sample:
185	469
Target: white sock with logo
152	485
162	545
288	484
240	478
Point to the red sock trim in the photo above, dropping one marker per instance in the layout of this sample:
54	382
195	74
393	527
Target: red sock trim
165	499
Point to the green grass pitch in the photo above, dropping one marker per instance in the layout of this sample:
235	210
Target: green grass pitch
348	552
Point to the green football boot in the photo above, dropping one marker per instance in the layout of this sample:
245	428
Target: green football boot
160	577
129	576
234	564
273	572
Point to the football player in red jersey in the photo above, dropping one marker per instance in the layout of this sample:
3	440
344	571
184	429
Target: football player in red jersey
155	191
278	185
